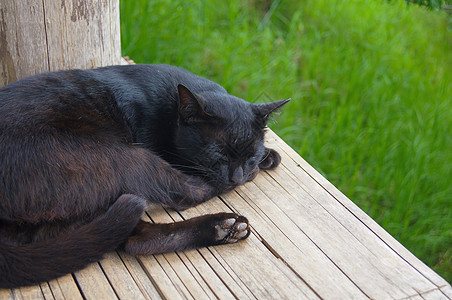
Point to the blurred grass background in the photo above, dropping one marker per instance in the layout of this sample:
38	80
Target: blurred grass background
371	83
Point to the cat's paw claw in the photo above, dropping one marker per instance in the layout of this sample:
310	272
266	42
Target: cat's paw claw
232	230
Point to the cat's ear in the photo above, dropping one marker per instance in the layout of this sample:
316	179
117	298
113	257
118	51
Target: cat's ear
264	110
191	108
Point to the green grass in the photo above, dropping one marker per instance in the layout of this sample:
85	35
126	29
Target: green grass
371	84
434	4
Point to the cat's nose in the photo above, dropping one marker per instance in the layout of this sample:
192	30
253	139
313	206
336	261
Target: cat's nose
237	176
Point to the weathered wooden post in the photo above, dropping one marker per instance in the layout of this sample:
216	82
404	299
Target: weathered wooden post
47	35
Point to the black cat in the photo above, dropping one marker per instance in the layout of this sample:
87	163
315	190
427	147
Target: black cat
82	152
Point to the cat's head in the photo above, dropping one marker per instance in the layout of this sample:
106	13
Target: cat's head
221	137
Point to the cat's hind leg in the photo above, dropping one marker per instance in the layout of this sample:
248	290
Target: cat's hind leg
47	259
203	231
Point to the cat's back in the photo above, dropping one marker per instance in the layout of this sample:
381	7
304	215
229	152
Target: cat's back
97	98
43	93
158	78
56	101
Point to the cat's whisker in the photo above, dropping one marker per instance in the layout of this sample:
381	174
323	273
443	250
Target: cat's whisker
267	154
201	169
193	162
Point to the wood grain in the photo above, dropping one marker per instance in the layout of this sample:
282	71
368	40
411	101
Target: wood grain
94	284
48	35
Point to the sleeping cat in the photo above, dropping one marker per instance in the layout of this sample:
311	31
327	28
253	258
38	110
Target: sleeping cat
83	152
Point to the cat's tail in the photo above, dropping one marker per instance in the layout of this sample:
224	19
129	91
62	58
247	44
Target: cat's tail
41	261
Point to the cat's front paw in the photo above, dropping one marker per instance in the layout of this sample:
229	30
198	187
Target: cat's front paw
231	229
195	191
271	160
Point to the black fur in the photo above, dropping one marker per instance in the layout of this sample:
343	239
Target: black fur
83	151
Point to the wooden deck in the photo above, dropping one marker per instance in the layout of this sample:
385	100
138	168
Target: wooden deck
308	241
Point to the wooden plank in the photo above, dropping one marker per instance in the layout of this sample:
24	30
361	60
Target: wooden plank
182	284
195	289
65	288
6	294
140	277
29	292
372	271
273	140
434	295
199	259
402	274
297	165
353	258
224	267
302	289
225	274
447	290
93	283
414	297
208	276
291	244
252	264
46	291
162	282
184	268
120	278
191	266
164	277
